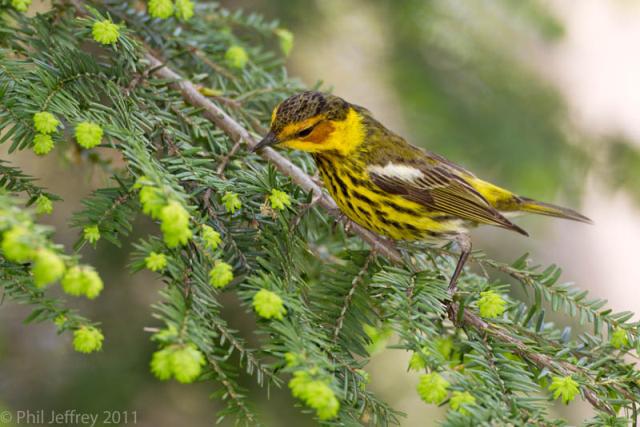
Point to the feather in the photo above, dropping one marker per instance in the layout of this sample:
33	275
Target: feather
439	188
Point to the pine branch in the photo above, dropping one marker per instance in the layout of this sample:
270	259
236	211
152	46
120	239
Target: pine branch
328	295
14	180
572	299
357	280
253	363
232	393
19	279
237	133
541	360
109	209
17	284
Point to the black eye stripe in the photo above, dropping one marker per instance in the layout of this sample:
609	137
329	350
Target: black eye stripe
305	132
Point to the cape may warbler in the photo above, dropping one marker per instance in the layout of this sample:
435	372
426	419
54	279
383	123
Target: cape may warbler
387	185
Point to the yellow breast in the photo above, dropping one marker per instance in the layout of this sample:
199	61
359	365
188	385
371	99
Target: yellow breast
387	214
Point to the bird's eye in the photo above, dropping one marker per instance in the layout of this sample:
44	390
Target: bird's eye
305	132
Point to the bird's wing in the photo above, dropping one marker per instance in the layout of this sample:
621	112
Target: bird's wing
439	188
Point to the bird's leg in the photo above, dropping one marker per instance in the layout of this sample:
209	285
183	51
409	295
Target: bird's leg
464	242
340	218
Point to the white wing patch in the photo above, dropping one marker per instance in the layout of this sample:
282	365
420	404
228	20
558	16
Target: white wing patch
393	170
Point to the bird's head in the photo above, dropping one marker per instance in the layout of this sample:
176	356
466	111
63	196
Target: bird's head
315	122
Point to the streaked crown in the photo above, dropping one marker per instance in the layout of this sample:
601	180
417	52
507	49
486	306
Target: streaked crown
305	105
315	122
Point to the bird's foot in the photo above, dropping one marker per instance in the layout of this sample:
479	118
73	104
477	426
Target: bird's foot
340	218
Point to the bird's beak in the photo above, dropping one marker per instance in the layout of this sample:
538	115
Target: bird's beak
268	140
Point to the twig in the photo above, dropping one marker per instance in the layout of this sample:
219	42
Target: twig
379	245
252	362
237	133
225	160
206	200
137	79
231	391
347	299
217	68
295	221
541	360
259	91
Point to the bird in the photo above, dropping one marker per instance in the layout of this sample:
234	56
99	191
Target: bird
390	187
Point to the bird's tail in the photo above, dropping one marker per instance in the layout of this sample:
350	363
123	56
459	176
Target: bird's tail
541	208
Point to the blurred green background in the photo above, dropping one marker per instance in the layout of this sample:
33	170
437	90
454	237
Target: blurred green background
540	96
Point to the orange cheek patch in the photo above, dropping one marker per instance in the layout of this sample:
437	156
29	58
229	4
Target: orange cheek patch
320	133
